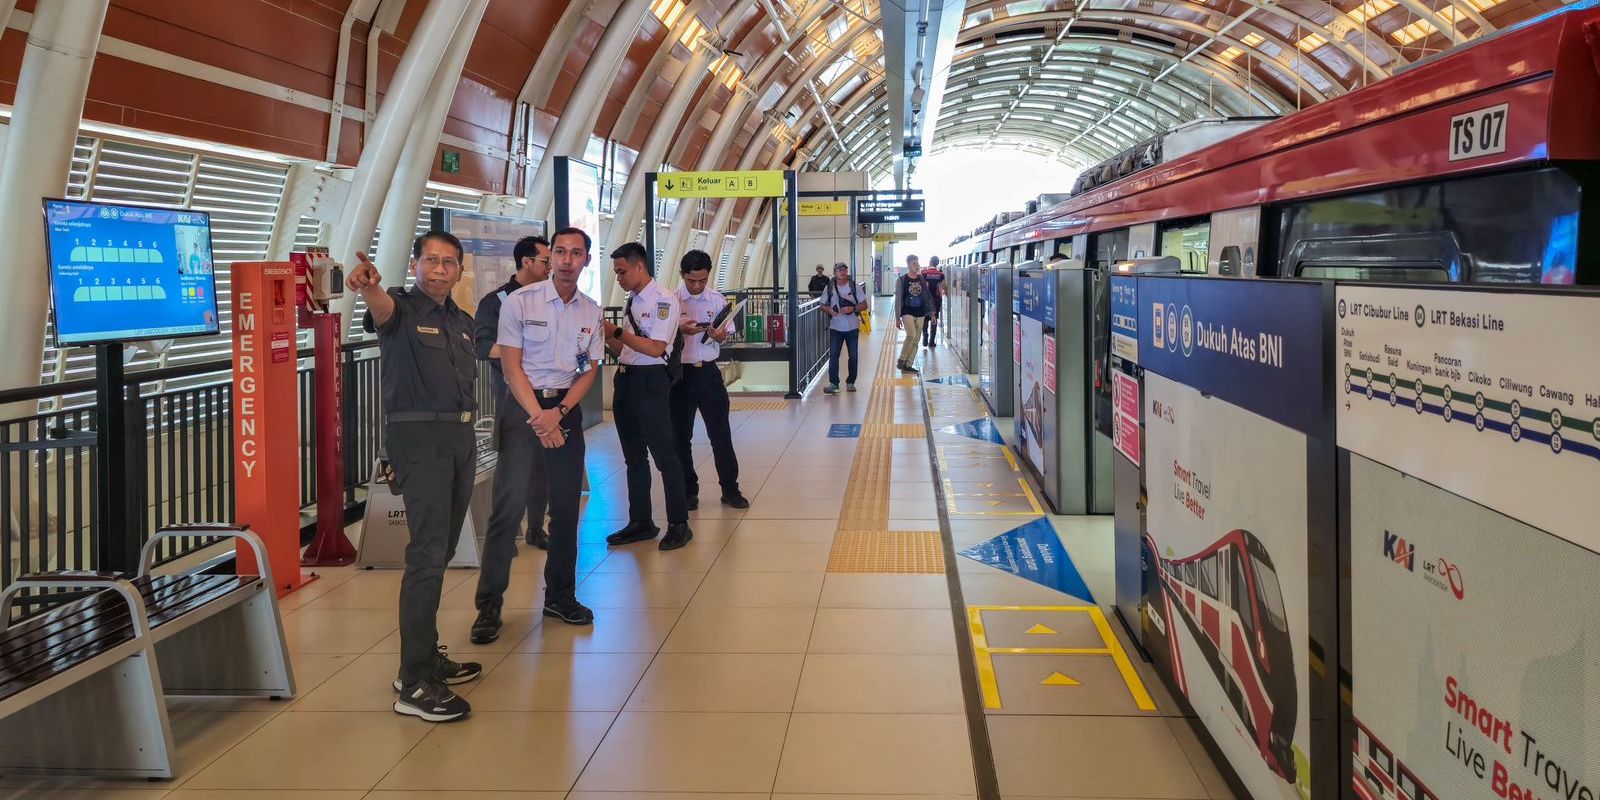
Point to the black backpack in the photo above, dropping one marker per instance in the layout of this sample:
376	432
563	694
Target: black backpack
674	357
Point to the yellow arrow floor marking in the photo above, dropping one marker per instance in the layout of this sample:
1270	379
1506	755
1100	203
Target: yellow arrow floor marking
1040	630
1057	679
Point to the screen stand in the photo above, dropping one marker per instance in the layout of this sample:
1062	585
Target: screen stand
118	509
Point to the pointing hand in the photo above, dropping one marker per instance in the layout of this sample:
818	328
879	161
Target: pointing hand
364	275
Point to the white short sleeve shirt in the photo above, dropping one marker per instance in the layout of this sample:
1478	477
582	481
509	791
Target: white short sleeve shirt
559	339
654	315
701	309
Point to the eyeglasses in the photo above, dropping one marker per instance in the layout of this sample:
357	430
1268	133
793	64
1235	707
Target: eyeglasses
434	261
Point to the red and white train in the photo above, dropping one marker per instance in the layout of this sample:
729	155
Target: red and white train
1379	775
1229	598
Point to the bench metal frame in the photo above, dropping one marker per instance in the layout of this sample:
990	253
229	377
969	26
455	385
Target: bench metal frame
107	716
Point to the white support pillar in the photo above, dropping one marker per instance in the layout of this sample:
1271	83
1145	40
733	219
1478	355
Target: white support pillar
387	136
38	156
577	121
396	226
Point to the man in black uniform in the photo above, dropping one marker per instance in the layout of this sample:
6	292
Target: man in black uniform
519	474
643	344
429	370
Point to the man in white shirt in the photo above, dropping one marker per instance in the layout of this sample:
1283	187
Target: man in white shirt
643	344
701	388
551	339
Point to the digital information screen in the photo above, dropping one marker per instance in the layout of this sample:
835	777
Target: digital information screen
489	242
583	213
880	210
129	273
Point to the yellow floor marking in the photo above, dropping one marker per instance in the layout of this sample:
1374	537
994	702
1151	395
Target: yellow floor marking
759	405
884	551
1034	509
1057	679
1113	649
893	430
1040	629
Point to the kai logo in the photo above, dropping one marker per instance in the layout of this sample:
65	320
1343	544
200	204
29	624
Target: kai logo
1397	550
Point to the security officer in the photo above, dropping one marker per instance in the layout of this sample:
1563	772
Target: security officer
643	343
519	483
428	375
550	347
701	388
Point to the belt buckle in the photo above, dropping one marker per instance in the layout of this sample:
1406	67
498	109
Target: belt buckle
466	416
548	393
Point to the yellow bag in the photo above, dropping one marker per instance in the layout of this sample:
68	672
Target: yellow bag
866	321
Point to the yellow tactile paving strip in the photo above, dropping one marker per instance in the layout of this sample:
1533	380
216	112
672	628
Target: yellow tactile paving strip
881	551
759	405
893	430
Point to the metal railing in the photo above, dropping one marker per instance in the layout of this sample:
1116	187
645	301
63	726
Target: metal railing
811	344
180	453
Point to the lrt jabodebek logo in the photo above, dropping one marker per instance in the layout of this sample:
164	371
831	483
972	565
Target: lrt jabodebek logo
1441	573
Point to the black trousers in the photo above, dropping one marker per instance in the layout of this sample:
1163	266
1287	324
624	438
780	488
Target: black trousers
518	476
702	390
639	402
930	329
562	476
434	464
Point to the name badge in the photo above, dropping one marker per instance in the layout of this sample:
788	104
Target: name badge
426	329
538	323
583	362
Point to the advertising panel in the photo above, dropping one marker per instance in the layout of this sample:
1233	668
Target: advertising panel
1474	648
1037	421
1228	600
1491	395
583	212
1125	414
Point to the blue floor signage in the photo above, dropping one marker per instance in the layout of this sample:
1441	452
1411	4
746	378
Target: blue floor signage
844	431
1035	553
981	429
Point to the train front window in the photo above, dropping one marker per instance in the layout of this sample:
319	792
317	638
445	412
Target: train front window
1270	594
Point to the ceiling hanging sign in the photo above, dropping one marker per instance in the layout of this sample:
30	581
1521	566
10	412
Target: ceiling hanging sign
757	183
884	210
894	236
824	208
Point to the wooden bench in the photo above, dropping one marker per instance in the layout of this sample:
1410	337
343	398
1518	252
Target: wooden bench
82	685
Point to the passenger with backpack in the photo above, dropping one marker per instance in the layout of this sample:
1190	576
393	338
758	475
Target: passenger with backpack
913	304
648	345
843	301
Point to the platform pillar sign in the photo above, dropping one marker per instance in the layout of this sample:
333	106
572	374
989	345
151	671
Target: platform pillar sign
266	456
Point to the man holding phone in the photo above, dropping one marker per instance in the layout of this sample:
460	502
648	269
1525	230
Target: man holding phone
842	301
701	388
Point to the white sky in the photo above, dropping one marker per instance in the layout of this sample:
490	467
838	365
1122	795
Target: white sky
966	188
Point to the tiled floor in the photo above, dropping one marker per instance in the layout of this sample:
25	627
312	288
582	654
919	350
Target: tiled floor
739	666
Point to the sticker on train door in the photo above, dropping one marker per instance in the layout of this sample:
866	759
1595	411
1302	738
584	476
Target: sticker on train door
1479	133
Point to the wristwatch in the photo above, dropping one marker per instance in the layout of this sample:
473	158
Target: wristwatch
617	334
565	410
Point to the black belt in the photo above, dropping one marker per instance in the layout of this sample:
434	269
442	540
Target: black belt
546	394
430	416
623	369
698	364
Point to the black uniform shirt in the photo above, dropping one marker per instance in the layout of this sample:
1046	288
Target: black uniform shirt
486	329
428	359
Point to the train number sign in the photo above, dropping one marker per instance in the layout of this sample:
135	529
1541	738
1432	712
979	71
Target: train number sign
1479	133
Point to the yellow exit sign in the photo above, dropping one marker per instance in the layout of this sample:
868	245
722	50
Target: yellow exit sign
758	183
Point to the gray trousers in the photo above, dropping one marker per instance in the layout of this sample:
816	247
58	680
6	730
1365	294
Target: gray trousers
434	465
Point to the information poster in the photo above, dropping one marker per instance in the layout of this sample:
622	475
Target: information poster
1125	415
1493	396
1472	420
488	241
1125	317
583	213
1232	394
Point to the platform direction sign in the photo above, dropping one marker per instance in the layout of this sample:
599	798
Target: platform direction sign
749	183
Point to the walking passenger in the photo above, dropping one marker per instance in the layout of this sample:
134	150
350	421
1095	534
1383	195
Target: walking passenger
429	372
843	301
519	482
550	346
933	279
643	343
911	309
701	388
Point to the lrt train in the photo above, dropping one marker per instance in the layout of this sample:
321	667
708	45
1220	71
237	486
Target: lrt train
1381	776
1479	165
1229	598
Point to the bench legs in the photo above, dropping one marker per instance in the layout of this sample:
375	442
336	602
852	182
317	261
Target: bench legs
112	724
239	651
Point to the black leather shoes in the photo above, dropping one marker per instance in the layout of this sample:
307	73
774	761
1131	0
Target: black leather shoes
569	610
635	532
692	501
538	538
486	628
735	499
677	536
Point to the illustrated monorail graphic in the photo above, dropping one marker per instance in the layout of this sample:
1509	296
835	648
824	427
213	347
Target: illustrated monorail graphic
1378	775
1229	597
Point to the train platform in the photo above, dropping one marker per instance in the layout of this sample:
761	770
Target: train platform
815	644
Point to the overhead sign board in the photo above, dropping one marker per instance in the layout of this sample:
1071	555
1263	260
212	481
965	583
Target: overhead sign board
757	183
883	210
896	236
824	208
